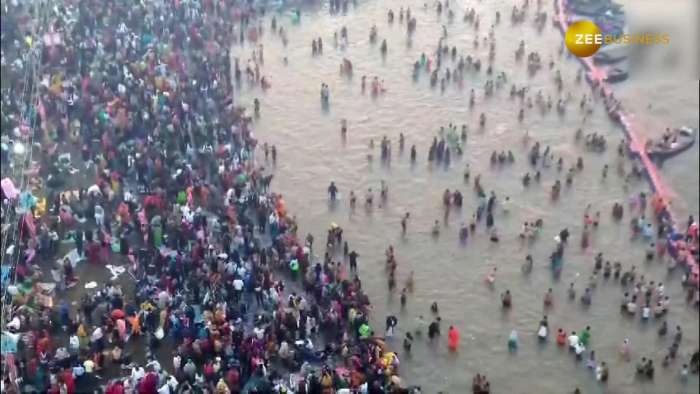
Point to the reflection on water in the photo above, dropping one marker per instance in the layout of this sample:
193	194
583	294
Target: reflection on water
312	153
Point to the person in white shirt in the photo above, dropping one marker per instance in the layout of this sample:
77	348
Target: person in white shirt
74	344
573	339
284	351
154	364
238	288
660	290
128	196
274	297
646	312
259	332
137	374
89	366
96	335
99	216
14	324
170	386
164	389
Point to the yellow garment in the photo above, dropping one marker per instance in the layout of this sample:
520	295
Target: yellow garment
40	208
222	388
388	358
81	331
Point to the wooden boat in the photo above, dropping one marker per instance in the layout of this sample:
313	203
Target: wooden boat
611	54
685	138
616	74
589	7
593	8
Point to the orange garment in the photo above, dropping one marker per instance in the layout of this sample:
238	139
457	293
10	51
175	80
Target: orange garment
135	324
190	197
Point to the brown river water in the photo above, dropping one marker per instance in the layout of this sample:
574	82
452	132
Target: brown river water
311	154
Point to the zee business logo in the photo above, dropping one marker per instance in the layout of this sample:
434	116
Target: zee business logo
584	38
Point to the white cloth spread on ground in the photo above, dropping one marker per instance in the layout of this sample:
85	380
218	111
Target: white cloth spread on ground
115	270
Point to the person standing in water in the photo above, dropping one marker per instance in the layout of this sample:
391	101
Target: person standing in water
404	223
436	229
332	191
391	322
353	199
506	300
353	260
453	338
434	328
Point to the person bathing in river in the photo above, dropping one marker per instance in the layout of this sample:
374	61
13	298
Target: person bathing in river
332	191
506	300
436	229
353	199
404	223
463	233
434	328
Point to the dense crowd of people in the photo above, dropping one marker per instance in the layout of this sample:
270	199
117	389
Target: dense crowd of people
146	168
141	95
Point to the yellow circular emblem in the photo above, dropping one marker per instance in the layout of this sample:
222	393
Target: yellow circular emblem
583	38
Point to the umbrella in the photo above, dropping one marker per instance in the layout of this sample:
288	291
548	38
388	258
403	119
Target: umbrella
9	189
118	314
